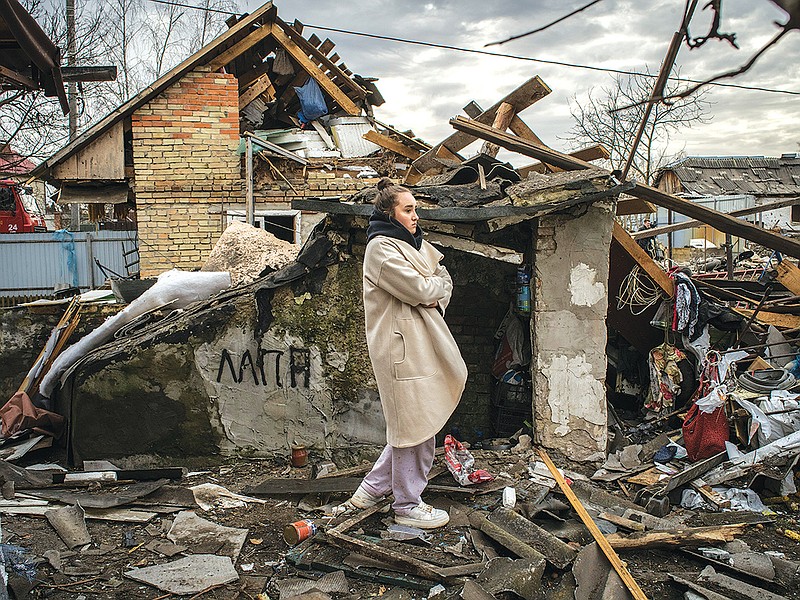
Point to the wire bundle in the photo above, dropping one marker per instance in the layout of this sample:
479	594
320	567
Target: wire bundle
637	293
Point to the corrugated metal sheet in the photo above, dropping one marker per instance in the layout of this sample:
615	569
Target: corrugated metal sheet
38	263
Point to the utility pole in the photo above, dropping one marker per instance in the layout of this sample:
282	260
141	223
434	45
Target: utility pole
72	95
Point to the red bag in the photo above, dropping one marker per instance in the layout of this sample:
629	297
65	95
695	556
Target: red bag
705	434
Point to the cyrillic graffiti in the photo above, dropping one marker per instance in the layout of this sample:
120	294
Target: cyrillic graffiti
266	368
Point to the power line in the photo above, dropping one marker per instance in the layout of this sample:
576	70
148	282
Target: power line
543	27
205	8
503	55
541	60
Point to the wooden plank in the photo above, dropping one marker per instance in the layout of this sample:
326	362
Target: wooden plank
789	276
734	213
262	85
465	245
313	70
240	47
692	472
690	536
21	81
589	153
409	141
250	77
602	542
385	141
770	318
307	49
621	521
404	562
648	265
521	98
516	144
502	119
104	158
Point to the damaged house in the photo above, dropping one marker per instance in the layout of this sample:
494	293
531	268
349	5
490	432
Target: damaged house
176	152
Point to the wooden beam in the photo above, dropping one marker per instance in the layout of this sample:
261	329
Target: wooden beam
785	321
521	98
18	79
262	85
240	47
409	141
648	265
598	536
108	73
595	152
691	536
313	70
308	49
385	141
502	119
517	144
734	213
716	219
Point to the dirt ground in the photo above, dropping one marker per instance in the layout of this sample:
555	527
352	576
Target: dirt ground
96	571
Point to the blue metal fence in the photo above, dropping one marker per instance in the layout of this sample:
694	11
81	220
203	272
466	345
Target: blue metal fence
37	264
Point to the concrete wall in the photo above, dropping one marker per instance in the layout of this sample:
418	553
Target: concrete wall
568	331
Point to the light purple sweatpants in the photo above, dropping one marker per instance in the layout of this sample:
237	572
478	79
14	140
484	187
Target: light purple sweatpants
402	472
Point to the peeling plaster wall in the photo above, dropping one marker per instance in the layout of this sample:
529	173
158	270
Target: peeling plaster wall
568	331
218	385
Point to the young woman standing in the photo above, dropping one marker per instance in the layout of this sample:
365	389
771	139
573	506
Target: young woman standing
418	367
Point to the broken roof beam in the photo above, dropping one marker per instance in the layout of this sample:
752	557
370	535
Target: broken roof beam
384	141
260	86
521	98
241	46
643	259
410	141
718	220
310	50
328	86
596	152
734	213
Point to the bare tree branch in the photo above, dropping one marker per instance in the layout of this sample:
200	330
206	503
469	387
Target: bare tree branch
713	33
744	68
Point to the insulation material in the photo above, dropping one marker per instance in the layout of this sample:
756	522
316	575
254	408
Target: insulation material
245	251
174	289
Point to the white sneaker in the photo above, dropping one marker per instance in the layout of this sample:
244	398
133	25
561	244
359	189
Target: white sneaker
363	499
423	516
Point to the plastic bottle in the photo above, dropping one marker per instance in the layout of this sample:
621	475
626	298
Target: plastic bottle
523	290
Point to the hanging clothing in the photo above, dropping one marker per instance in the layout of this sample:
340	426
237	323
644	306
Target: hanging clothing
665	377
687	305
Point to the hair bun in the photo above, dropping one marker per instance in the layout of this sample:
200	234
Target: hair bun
384	183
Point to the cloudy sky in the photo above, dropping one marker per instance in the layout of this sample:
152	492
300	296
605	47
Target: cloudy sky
424	87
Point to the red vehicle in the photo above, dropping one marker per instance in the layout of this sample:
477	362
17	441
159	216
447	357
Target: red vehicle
18	210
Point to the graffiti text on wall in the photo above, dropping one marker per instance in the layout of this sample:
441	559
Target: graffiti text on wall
265	367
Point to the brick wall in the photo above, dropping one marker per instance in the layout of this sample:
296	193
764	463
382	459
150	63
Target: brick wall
185	159
322	177
481	297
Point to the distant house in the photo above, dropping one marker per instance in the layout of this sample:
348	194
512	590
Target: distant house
174	152
729	183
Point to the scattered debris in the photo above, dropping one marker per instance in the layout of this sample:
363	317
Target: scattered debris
189	575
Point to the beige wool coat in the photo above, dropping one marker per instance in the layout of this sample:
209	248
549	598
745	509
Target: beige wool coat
417	364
